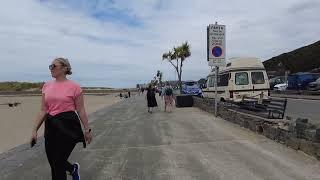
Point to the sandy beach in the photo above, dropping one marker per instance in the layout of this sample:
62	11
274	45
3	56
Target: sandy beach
17	122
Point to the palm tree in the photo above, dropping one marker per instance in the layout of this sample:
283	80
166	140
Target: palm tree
179	55
182	52
159	76
154	81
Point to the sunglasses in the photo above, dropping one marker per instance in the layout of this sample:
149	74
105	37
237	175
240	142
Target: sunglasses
52	66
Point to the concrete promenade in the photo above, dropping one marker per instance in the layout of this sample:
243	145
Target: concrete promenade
188	143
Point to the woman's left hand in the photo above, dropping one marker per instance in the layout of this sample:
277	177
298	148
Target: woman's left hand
88	136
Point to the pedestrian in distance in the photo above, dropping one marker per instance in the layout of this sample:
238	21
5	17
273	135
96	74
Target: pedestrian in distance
151	98
129	94
160	92
62	110
168	97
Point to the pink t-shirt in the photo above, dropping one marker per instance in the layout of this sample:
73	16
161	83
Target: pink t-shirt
60	96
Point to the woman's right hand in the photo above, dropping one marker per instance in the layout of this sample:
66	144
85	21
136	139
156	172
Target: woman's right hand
34	135
88	136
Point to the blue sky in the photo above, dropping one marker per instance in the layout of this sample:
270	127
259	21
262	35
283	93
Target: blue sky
119	43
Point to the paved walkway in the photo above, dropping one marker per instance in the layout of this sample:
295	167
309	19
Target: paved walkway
187	144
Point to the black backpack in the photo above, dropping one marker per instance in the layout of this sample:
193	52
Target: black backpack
168	91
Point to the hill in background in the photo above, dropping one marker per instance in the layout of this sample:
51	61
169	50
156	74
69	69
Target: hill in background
304	59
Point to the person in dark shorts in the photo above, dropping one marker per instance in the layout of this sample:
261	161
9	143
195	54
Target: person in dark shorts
151	98
62	110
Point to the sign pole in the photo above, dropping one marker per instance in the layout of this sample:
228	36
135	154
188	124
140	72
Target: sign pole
216	91
286	73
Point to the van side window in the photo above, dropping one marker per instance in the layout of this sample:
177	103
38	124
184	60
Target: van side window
223	80
242	78
257	77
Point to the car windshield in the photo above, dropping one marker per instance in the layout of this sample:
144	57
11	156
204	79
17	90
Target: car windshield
277	80
190	83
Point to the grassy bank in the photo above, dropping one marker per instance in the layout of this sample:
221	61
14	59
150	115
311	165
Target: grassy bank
20	86
27	88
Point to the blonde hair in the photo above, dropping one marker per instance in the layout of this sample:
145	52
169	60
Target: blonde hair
65	62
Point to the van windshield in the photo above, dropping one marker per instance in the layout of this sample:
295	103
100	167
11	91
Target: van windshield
257	78
242	78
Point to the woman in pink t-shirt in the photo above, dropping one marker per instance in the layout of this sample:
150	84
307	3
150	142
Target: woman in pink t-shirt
62	106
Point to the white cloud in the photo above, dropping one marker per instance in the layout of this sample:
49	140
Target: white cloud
34	32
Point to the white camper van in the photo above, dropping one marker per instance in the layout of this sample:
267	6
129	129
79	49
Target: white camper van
241	78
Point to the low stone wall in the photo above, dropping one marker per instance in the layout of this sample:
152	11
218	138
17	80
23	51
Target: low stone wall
298	134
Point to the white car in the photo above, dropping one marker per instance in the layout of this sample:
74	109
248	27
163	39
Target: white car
281	87
314	86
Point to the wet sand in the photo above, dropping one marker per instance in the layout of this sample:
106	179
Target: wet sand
17	123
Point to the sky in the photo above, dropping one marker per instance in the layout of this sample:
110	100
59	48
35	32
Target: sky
119	43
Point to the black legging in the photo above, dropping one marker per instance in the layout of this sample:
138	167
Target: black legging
58	152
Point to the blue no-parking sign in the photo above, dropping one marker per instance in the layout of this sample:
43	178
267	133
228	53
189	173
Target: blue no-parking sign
217	51
216	45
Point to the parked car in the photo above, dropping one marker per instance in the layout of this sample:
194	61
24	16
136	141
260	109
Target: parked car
314	86
300	81
191	88
280	87
276	80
